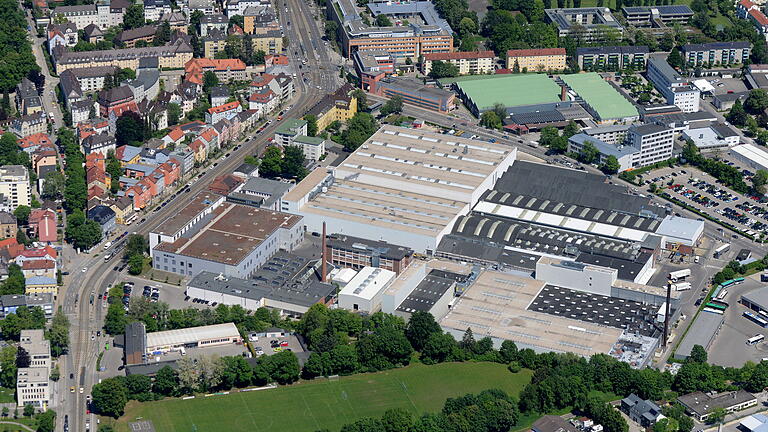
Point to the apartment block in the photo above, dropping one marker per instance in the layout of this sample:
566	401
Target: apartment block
39	348
641	145
537	60
33	387
612	57
172	56
673	86
337	106
657	16
14	185
723	53
591	24
473	62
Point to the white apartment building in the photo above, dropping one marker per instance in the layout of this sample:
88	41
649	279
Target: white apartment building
14	185
312	147
33	387
654	142
472	62
102	15
39	348
673	86
686	98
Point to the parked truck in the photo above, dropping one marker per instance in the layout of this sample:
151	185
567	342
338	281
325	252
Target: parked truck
679	274
681	286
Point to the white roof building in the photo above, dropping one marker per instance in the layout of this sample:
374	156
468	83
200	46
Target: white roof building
203	336
365	290
751	155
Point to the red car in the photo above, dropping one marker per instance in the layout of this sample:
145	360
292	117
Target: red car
284	343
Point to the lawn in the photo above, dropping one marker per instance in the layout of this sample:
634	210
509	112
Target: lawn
321	403
7	395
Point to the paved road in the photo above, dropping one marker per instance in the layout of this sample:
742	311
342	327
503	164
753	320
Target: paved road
87	318
49	91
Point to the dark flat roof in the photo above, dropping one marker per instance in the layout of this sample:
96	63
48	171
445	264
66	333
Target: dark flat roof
596	309
382	248
431	289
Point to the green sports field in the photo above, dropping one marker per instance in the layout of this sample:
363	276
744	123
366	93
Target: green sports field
321	403
606	100
509	90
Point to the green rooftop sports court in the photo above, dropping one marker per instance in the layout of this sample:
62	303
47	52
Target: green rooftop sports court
601	96
480	93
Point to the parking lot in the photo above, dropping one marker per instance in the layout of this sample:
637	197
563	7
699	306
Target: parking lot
171	294
729	347
272	345
700	190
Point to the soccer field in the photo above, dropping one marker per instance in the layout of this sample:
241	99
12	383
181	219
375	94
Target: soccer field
323	403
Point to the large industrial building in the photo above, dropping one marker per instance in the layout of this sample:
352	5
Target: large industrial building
286	283
212	235
750	155
403	186
601	99
518	91
537	209
364	292
193	337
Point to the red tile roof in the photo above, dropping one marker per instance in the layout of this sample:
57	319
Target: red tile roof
459	55
261	97
223	108
194	68
535	52
176	134
42	264
759	17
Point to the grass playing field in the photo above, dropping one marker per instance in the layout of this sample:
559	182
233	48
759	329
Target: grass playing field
323	403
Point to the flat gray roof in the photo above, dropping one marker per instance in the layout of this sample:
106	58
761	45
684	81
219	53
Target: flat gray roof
702	332
758	297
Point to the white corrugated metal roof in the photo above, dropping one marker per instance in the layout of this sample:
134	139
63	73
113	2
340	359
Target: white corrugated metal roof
191	335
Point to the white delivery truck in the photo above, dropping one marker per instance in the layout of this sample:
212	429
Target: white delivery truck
679	274
681	286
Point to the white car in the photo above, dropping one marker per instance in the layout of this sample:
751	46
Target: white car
85	269
81	390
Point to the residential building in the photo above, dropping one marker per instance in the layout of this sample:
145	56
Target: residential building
288	130
78	82
246	171
146	86
10	303
259	17
644	412
176	20
225	69
124	212
641	146
591	24
129	38
207	7
30	124
8	226
14	185
226	111
99	143
356	252
38	348
426	34
269	40
238	7
27	98
33	387
64	34
219	95
93	33
612	58
171	56
700	405
657	16
467	62
103	15
415	93
672	85
234	241
263	101
716	53
117	100
337	106
746	9
42	224
154	9
312	147
104	216
214	21
536	60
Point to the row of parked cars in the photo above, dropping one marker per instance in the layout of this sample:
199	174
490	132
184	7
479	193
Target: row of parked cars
694	196
721	194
